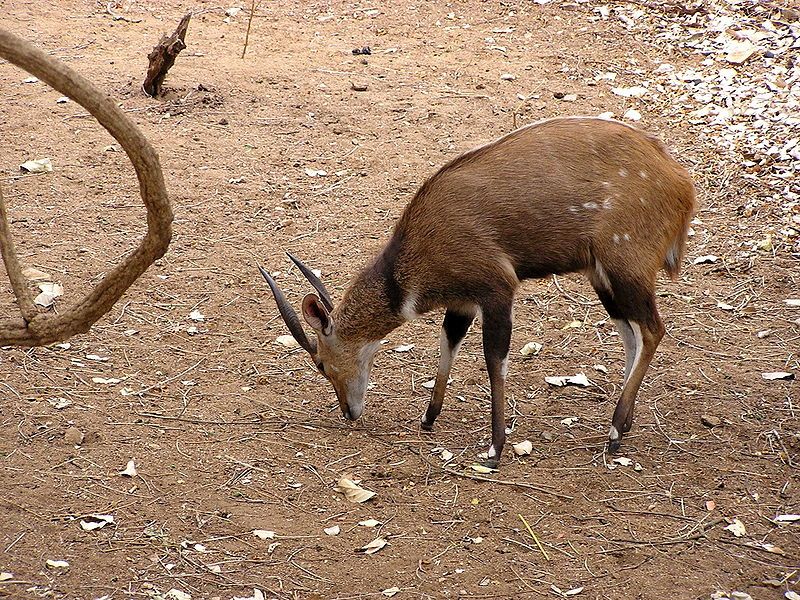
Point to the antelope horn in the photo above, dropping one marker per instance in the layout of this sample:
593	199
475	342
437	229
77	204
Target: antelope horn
289	315
314	281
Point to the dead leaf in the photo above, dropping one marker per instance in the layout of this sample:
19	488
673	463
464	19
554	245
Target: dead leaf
630	92
778	375
737	528
403	348
523	448
623	461
428	385
196	315
287	341
389	592
787	518
765	244
334	530
724	306
36	166
369	523
92	522
738	51
709	258
579	379
444	453
264	534
482	469
373	546
104	381
771	548
531	349
569	421
129	470
49	292
353	492
59	403
792	302
57	564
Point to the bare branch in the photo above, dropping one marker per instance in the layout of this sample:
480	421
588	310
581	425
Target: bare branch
45	328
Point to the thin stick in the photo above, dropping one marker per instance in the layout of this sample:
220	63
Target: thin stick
535	539
15	276
249	22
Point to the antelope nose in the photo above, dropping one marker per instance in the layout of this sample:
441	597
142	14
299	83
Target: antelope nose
347	415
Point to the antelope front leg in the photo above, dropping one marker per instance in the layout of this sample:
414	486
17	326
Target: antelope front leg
454	328
496	341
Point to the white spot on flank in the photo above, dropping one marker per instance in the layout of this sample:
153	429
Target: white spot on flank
492	452
607	203
623	172
643	174
616	238
642	200
573	209
590	205
627	237
606	184
408	310
613	434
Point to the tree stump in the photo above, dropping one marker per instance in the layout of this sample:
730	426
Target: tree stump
162	57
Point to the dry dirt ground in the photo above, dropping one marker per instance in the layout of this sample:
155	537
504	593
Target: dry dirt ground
232	432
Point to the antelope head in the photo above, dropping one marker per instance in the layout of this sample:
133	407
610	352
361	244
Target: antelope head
345	363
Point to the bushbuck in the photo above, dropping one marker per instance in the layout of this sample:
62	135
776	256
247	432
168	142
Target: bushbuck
558	196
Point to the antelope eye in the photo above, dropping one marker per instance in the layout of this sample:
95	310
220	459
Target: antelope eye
321	368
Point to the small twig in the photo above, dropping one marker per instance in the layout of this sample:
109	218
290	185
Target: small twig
15	276
535	539
249	23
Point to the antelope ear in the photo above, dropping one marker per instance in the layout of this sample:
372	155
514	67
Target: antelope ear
316	315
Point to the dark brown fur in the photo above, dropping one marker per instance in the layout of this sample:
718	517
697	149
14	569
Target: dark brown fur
507	203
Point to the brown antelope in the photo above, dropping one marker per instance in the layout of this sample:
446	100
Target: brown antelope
558	196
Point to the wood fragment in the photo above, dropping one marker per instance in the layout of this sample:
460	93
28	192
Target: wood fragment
535	539
249	24
163	56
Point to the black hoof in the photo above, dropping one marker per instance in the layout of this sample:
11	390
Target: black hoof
613	445
425	425
491	463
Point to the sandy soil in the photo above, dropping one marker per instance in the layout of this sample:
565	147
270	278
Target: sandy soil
232	432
